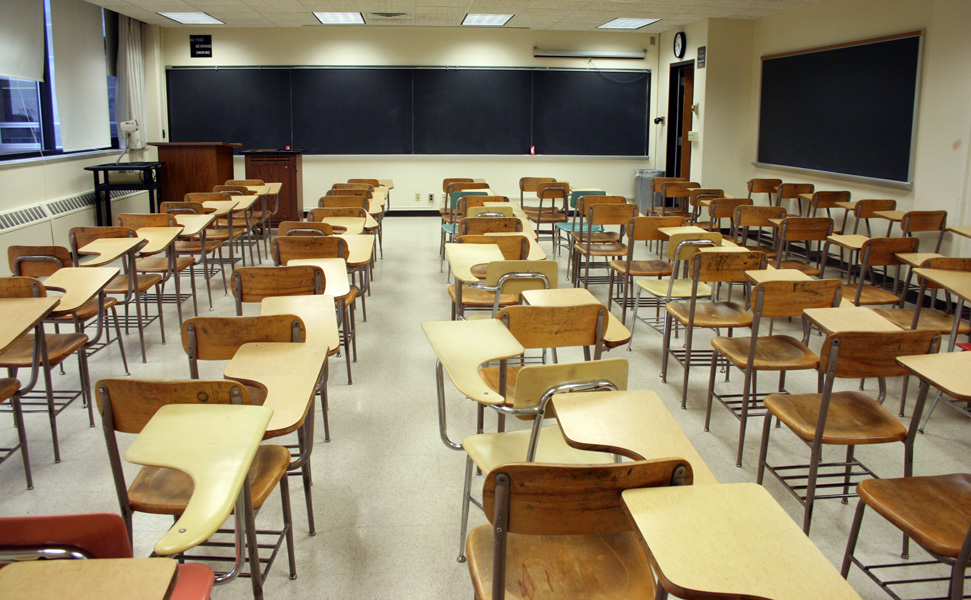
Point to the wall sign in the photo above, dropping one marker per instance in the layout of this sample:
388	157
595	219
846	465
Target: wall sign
200	46
702	54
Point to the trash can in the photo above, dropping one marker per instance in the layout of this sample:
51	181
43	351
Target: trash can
643	180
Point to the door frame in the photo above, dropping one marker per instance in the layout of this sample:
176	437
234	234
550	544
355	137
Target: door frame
680	118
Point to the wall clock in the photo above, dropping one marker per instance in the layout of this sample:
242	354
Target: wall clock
679	44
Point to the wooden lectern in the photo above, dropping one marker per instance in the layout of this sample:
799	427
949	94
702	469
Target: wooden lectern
193	167
285	166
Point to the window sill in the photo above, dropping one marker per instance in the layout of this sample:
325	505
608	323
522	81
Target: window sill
55	158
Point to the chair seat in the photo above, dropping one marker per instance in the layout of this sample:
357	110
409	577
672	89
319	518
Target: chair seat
642	268
164	491
578	228
491	376
8	387
930	318
711	314
491	450
160	264
144	282
601	249
934	511
681	288
772	353
800	266
870	296
20	354
546	217
472	296
561	566
195	246
854	418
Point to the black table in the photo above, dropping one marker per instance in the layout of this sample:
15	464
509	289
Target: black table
148	180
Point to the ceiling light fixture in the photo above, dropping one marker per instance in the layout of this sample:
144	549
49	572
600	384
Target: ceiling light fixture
627	23
486	20
192	18
540	52
340	18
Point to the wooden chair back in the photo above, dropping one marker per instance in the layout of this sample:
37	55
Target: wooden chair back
137	220
763	186
513	247
864	209
489	211
319	214
201	197
353	186
584	203
129	404
234	189
299	228
496	269
287	248
450	180
21	287
349	192
879	252
657	184
678	251
699	193
827	200
531	184
552	190
371	182
645	229
677	189
244	182
925	220
725	267
536	384
602	213
557	326
943	262
482	225
724	208
859	354
343	201
467	202
748	215
252	284
462	186
182	208
773	299
806	229
218	338
576	195
37	261
791	191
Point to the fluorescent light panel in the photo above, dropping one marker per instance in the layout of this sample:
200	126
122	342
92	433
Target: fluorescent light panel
192	18
627	23
486	20
340	18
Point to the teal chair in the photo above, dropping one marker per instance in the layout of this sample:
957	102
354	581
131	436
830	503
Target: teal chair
451	217
563	230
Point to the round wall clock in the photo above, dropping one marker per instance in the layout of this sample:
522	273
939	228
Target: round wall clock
679	44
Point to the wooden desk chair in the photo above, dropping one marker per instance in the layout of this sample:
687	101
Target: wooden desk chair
585	252
547	211
580	229
827	201
44	261
247	220
807	230
170	265
234	189
562	531
531	184
723	208
707	268
484	225
287	248
503	283
863	211
127	405
657	185
374	183
319	214
537	384
757	218
306	228
9	388
513	247
878	252
695	197
934	511
367	187
847	418
575	225
681	247
208	243
639	229
49	350
453	212
336	201
925	220
356	192
792	191
758	353
676	192
769	187
244	182
87	536
229	229
130	284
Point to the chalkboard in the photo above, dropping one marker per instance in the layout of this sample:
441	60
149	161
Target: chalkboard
488	110
413	110
589	112
249	106
849	109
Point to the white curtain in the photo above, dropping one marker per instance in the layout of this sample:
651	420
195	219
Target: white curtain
22	39
130	97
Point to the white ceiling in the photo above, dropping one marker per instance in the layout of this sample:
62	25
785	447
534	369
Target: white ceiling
556	15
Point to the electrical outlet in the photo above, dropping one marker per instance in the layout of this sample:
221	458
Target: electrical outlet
417	196
431	196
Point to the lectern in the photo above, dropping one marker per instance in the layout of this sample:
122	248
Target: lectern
193	167
285	166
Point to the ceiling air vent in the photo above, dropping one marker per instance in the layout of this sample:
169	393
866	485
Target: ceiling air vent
388	15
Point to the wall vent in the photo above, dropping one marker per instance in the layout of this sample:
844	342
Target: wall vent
22	216
69	205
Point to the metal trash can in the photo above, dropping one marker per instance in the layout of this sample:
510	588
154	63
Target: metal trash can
643	180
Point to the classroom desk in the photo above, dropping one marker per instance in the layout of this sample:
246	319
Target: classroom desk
615	333
732	539
193	225
317	313
360	249
462	347
351	225
635	424
220	208
108	250
847	318
758	276
946	371
894	216
79	285
260	190
20	315
213	444
962	230
461	258
670	231
956	282
95	579
158	239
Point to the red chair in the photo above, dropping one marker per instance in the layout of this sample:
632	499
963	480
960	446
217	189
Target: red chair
95	535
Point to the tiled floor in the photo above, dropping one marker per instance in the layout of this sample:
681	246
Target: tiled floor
387	492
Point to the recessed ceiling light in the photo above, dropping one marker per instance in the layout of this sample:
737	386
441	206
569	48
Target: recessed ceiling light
486	20
340	18
627	23
192	18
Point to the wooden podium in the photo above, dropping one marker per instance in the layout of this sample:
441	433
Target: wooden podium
193	167
284	166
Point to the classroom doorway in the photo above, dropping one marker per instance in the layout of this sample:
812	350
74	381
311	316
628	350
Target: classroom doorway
680	99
